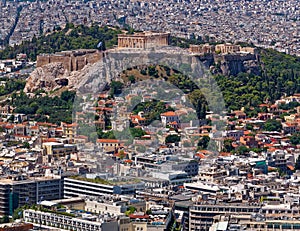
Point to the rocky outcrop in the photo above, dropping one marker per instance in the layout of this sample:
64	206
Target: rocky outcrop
231	64
54	76
62	69
44	78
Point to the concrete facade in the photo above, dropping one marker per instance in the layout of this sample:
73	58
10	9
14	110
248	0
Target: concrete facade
17	192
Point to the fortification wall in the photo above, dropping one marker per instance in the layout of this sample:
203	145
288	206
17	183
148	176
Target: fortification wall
42	60
71	61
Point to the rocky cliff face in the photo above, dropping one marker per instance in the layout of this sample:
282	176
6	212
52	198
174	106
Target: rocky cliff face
49	77
54	76
231	64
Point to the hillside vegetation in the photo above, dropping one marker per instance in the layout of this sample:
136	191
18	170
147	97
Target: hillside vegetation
70	38
280	76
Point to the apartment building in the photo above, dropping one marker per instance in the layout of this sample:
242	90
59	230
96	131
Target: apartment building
58	149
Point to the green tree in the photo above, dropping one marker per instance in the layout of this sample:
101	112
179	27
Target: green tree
249	126
4	219
241	150
143	72
137	132
26	145
131	78
198	100
203	142
295	138
227	145
152	71
172	139
68	95
130	210
272	125
116	87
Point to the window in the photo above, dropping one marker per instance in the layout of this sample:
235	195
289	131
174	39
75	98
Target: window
276	226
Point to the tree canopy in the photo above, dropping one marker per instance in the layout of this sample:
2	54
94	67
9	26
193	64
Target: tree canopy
70	38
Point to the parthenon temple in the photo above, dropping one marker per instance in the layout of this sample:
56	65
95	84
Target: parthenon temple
143	40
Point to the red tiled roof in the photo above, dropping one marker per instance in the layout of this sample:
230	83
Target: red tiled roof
21	136
263	105
234	145
139	216
50	140
168	113
225	154
46	124
107	141
70	125
81	137
201	155
290	167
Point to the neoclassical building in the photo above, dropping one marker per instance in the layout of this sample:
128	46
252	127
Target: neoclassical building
143	40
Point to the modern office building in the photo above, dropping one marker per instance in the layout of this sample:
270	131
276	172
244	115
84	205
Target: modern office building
17	192
83	187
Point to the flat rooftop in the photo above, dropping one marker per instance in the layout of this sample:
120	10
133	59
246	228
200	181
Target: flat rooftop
27	180
114	182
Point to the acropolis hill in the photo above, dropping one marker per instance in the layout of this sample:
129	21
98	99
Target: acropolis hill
77	59
66	68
